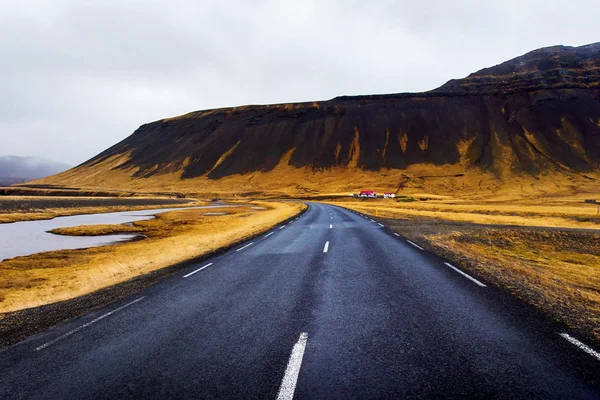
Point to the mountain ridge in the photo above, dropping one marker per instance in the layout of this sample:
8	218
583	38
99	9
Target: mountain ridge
534	115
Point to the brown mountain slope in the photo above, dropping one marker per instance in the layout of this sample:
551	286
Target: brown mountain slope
531	124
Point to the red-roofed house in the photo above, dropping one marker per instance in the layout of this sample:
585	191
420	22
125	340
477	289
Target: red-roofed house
367	193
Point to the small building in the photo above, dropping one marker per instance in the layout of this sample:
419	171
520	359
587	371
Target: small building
389	195
367	193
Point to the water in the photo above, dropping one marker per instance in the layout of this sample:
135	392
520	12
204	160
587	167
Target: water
30	237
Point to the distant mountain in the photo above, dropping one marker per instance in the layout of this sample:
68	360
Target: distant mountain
14	169
530	126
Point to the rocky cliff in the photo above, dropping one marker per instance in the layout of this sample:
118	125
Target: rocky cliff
535	115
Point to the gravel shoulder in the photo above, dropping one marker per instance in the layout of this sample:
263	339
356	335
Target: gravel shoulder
556	270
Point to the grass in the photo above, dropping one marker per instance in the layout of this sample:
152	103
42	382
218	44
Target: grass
557	214
557	271
529	250
173	237
456	181
97	230
28	208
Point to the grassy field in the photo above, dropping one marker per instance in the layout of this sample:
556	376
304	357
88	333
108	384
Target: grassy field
29	208
97	230
547	255
172	237
457	181
557	213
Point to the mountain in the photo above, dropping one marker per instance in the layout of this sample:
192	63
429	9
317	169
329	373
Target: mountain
14	169
529	126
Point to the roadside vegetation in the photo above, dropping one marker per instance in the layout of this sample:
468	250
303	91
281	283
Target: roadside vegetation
172	237
547	255
28	208
97	230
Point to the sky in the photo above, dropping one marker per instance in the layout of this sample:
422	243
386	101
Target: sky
79	76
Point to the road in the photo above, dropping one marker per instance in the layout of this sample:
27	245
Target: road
330	306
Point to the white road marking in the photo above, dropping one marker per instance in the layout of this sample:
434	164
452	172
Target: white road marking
290	378
198	270
465	275
326	248
242	248
379	224
269	234
50	343
282	227
582	346
372	220
416	245
330	226
396	234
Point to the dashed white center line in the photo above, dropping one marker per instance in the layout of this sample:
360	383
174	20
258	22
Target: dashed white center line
330	226
290	378
326	248
396	234
198	270
372	220
582	346
465	275
269	234
416	245
248	245
50	343
282	227
379	224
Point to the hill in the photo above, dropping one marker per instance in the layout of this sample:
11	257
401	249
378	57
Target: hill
527	127
14	169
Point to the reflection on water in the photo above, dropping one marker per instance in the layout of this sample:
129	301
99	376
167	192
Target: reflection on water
30	237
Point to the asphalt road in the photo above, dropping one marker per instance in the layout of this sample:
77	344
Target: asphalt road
330	306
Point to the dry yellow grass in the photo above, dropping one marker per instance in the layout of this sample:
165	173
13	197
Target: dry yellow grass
97	230
172	237
559	214
558	272
456	181
53	206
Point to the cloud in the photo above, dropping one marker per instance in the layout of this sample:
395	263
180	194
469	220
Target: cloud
78	77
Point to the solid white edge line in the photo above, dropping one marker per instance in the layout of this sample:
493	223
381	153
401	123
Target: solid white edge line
414	244
50	343
290	378
198	270
326	248
582	346
465	275
269	234
380	224
242	248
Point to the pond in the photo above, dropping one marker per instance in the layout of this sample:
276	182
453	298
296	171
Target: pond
30	237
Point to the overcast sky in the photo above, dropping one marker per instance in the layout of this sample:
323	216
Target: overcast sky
78	76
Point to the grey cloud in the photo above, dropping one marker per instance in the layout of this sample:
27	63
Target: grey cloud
79	76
